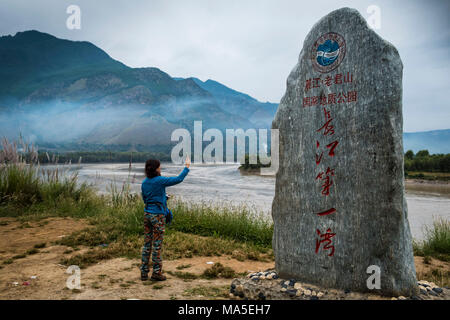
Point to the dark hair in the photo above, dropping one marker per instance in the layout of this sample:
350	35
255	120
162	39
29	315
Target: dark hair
150	168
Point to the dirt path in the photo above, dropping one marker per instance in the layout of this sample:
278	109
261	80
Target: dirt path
30	270
112	279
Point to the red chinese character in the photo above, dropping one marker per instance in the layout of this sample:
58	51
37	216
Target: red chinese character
326	212
327	180
308	85
331	98
306	102
328	80
318	159
316	83
352	96
326	186
338	78
326	239
332	146
323	100
348	77
328	127
341	98
314	100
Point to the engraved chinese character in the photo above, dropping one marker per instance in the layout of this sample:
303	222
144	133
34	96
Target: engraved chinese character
328	128
326	240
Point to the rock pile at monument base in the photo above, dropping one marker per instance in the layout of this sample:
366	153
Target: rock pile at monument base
266	285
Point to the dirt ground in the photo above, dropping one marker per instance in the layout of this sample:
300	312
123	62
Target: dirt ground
40	276
37	274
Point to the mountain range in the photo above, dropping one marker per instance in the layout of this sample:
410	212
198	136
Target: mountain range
61	93
55	90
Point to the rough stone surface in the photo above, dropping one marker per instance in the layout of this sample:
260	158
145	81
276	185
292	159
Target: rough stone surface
370	224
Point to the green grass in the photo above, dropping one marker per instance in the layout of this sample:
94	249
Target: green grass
208	291
237	223
32	193
437	241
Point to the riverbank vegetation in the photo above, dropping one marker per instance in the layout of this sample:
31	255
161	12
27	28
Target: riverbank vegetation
31	192
436	242
424	166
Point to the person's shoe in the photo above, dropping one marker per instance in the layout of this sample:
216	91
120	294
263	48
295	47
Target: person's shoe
158	277
144	276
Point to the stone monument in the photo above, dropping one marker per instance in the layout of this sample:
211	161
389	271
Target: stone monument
340	215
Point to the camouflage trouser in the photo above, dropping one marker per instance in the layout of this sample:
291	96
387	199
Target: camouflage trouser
154	225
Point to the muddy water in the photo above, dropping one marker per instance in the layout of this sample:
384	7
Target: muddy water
223	184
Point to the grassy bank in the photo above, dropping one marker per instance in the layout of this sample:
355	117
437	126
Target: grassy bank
436	242
30	192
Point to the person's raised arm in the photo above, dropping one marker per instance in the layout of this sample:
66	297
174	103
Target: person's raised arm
170	181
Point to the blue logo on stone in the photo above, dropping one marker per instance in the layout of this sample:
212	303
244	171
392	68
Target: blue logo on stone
327	53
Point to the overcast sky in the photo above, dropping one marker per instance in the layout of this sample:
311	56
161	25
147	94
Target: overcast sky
250	45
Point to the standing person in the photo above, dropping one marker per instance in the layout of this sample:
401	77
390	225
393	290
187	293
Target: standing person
155	199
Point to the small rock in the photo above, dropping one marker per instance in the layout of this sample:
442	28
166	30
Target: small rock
255	278
283	289
275	276
292	292
298	286
401	298
262	277
286	283
291	282
393	298
231	296
423	290
307	292
429	289
433	285
313	293
437	290
320	295
432	293
299	293
269	276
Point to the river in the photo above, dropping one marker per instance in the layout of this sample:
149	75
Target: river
224	185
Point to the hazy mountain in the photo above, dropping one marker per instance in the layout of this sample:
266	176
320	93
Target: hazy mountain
61	91
436	141
238	103
55	90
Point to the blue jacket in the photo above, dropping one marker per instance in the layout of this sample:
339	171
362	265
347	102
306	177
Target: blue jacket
154	190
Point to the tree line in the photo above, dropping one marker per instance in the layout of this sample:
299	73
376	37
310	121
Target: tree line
424	161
